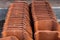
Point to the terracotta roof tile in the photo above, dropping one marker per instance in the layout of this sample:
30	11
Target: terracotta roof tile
43	25
46	35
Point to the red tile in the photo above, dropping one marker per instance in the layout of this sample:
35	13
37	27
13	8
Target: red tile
46	35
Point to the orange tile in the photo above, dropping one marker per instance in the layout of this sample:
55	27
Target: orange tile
46	35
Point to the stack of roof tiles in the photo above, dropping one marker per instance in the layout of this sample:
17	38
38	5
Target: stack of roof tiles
17	22
44	19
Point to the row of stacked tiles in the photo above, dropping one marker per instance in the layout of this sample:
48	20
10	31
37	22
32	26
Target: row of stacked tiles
41	16
17	22
42	10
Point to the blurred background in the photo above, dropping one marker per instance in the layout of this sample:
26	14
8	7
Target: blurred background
4	5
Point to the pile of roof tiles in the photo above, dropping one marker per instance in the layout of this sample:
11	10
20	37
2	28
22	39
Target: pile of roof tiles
18	27
42	15
17	22
44	19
